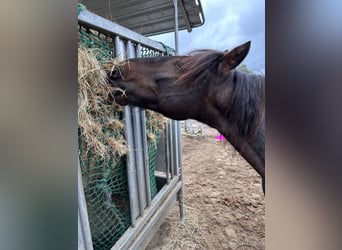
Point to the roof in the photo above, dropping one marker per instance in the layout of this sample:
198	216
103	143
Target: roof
150	17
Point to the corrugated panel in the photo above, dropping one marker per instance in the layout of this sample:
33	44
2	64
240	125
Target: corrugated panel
149	17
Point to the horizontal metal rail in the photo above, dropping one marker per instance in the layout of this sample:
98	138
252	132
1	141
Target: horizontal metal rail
163	200
106	26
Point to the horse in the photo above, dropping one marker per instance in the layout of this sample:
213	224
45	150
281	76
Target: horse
206	86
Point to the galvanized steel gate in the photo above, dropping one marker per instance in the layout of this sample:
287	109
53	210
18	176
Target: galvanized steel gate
146	213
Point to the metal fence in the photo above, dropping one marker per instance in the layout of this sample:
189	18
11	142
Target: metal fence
146	210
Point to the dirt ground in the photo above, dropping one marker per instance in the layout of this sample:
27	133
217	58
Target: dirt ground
224	203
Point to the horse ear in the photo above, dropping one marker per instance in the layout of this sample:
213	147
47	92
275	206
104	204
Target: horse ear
233	58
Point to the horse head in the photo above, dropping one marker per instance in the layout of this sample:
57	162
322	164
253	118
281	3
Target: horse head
179	87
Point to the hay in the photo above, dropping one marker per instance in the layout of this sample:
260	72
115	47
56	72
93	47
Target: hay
102	146
95	115
96	119
175	235
154	122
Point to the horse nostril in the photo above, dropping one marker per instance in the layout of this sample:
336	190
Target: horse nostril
118	96
117	93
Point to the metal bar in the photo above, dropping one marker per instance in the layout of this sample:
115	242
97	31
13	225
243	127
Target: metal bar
181	180
191	127
83	213
172	149
186	16
131	166
176	146
175	4
81	243
131	170
147	232
201	13
179	163
119	48
146	156
106	26
163	196
138	145
138	50
145	145
167	150
139	154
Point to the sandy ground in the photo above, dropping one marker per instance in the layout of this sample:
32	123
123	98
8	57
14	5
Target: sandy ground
224	203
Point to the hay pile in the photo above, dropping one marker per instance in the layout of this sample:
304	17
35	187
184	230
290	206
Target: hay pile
96	119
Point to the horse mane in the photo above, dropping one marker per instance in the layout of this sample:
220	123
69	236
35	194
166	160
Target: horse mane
199	63
245	107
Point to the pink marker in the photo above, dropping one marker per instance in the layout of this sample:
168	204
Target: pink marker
219	137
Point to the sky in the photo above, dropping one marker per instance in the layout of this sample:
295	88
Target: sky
228	23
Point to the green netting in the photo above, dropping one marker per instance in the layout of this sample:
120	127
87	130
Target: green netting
147	52
80	8
168	50
88	38
106	190
105	180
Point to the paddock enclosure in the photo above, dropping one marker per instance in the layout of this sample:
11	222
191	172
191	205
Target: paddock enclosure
130	163
224	206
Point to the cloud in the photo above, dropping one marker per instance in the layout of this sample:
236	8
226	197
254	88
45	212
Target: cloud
228	23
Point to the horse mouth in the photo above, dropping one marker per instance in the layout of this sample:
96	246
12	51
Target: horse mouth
119	97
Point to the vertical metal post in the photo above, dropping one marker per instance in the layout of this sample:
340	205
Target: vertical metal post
176	147
145	145
131	166
81	244
179	163
180	169
139	154
191	127
175	4
83	214
146	156
172	148
167	150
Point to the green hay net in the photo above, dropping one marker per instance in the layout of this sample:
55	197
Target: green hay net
105	181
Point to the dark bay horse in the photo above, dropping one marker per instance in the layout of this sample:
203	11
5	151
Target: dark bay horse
203	86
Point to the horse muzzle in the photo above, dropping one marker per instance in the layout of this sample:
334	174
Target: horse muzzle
119	97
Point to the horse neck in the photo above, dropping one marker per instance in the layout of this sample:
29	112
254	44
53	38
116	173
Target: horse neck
251	148
246	133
